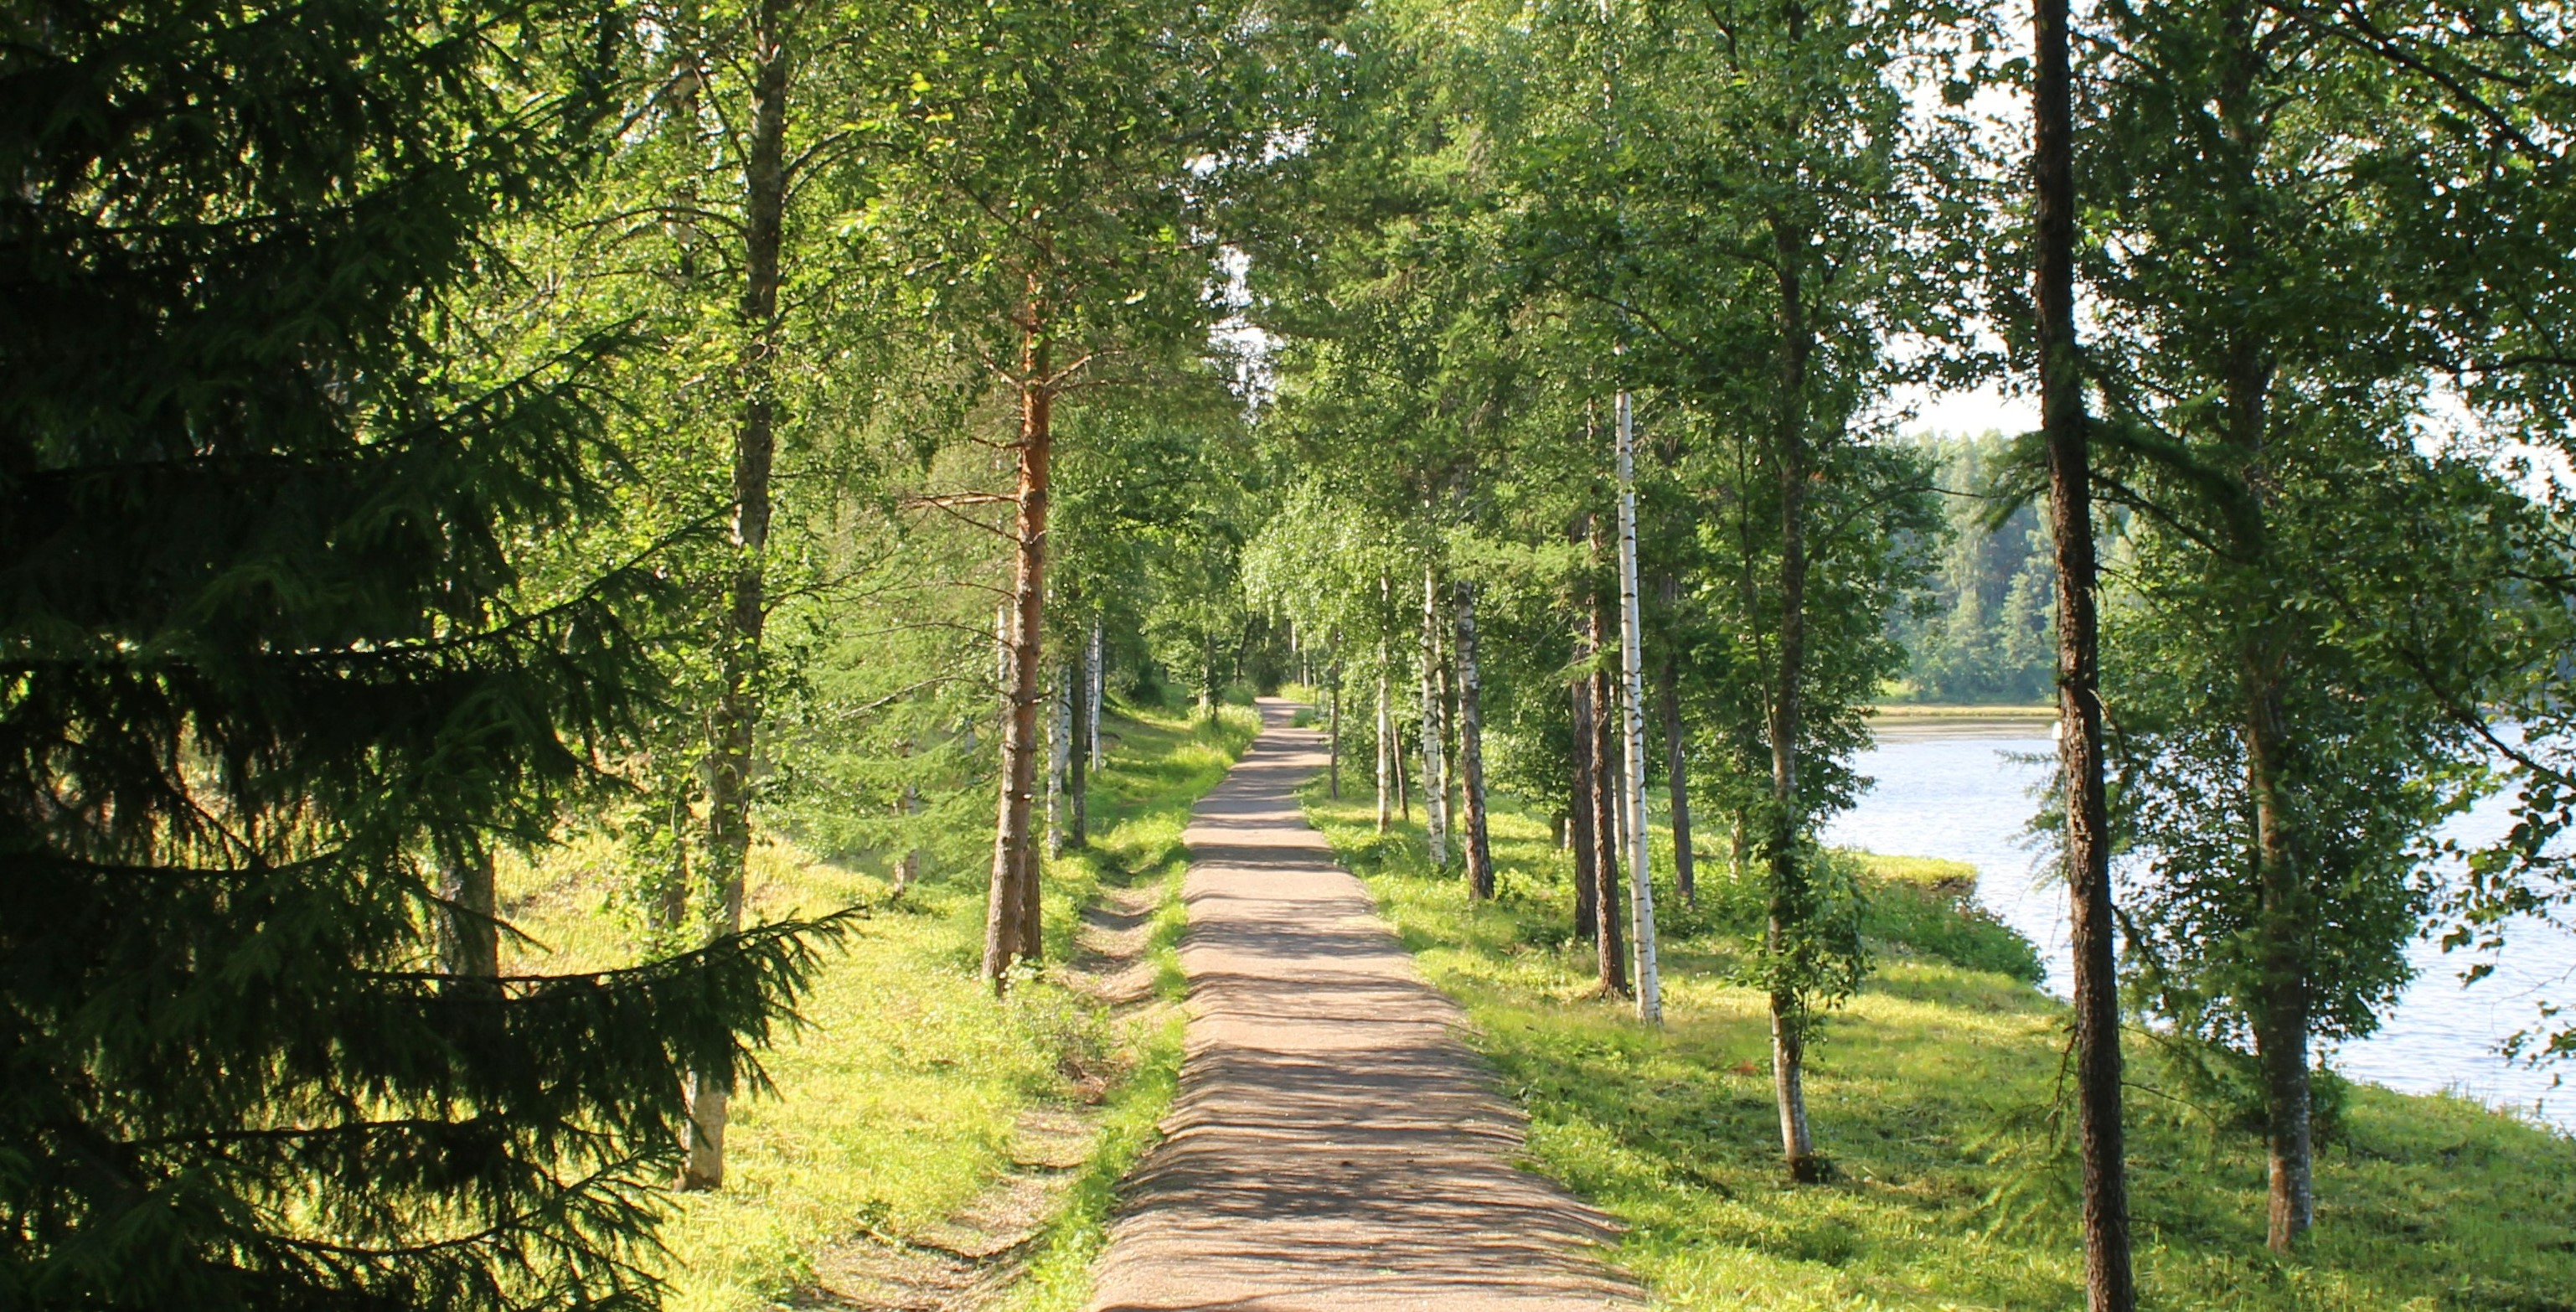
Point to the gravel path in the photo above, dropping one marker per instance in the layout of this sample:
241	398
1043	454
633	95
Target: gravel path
1334	1146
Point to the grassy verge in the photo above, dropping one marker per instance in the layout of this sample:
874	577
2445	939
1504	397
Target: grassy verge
1933	1094
898	1102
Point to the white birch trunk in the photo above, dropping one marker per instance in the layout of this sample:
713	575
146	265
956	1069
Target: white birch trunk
1641	900
1385	744
1093	670
1435	784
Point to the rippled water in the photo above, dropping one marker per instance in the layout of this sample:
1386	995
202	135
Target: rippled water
1956	791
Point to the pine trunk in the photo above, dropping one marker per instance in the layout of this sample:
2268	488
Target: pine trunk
755	444
2105	1207
1471	750
1012	913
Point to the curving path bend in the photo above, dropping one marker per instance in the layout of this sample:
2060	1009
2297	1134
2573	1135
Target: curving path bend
1334	1146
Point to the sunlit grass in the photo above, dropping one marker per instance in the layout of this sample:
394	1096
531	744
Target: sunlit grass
1933	1095
897	1103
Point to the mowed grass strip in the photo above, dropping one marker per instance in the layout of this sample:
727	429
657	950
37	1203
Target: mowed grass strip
1936	1093
897	1102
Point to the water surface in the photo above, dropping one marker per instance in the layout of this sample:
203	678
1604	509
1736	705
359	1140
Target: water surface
1961	790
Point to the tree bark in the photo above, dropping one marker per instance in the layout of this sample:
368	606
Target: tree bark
1790	897
1580	840
1077	775
755	444
472	947
1059	756
1385	742
1471	749
1677	759
1435	784
2105	1208
1097	670
1333	729
1641	890
1608	937
1013	912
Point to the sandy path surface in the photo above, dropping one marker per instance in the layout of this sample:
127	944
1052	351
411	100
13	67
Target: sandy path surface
1334	1145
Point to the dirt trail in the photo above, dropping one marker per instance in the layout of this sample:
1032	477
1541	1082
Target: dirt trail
1334	1146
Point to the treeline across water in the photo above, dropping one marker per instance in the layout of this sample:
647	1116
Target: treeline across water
442	437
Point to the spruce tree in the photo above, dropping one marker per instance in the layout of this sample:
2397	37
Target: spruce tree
272	675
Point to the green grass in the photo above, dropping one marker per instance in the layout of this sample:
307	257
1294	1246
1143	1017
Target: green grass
897	1103
1933	1093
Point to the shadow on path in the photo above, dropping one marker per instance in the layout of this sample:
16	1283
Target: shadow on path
1334	1145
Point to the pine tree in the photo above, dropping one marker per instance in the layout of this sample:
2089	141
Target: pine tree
274	671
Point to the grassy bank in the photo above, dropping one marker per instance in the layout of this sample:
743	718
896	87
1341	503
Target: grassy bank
1933	1094
899	1102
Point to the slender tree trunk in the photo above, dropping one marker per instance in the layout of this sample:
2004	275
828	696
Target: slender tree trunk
2107	1282
907	803
1586	848
1077	774
755	442
1641	884
1471	749
1098	672
1435	785
1012	914
1677	758
1059	755
1403	785
2281	1018
1333	730
1385	743
1791	900
472	943
1609	937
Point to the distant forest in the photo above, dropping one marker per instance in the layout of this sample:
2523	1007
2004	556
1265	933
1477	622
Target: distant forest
1981	629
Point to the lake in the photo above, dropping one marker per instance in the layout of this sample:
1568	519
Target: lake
1955	789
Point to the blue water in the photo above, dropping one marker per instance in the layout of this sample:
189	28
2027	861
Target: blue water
1957	792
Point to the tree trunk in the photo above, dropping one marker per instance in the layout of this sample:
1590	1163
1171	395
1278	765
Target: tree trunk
1385	743
2107	1282
1471	749
1586	849
471	950
1012	913
755	444
1333	729
1677	760
1059	756
1790	897
1077	774
907	802
1435	785
1641	884
1098	672
1608	937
